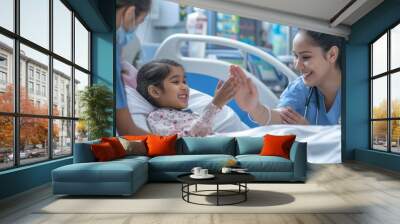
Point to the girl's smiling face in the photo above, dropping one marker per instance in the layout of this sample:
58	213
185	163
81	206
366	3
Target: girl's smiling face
311	60
174	92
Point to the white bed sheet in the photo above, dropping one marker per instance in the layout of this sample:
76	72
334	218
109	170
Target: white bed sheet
323	142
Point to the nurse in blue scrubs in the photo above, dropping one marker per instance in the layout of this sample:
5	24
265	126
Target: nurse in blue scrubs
314	97
130	13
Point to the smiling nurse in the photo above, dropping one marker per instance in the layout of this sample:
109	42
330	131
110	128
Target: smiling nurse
313	98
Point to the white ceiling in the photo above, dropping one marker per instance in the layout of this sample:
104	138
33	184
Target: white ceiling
321	9
317	15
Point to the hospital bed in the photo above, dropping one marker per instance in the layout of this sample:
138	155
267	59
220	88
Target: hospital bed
228	119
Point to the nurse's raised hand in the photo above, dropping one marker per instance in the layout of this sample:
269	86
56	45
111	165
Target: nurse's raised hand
247	95
289	116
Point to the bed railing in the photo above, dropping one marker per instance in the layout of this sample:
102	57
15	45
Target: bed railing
171	48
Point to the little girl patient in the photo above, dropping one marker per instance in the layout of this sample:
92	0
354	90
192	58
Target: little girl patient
163	84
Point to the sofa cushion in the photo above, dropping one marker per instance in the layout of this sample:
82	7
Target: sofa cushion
185	163
206	145
257	163
83	152
277	145
161	145
249	145
116	145
103	152
134	147
132	158
111	171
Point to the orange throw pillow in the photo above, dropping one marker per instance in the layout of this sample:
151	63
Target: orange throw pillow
277	145
103	152
135	137
161	145
116	145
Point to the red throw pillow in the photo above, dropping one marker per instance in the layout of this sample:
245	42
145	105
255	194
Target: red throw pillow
103	152
116	145
161	145
277	145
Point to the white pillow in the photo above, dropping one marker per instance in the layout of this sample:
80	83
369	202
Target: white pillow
225	121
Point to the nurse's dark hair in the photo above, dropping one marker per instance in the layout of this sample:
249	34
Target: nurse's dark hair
154	73
140	5
326	42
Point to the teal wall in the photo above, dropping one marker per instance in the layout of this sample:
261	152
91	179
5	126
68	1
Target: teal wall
356	141
99	16
102	63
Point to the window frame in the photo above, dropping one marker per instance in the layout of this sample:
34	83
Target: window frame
388	74
16	115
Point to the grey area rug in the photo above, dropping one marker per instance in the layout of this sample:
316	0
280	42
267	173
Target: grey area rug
166	198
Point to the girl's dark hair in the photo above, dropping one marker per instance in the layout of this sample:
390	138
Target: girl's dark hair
326	41
140	5
154	73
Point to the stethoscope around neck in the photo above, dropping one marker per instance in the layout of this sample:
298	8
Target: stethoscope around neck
310	93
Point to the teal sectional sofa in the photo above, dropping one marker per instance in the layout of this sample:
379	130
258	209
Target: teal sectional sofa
125	176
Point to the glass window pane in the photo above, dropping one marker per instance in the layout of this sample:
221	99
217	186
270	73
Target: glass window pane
395	95
33	139
62	141
6	74
81	81
395	136
81	45
6	142
379	56
81	131
7	14
379	135
35	21
62	29
62	89
395	47
34	97
379	98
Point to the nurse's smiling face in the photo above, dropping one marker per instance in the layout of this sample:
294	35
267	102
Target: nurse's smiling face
311	60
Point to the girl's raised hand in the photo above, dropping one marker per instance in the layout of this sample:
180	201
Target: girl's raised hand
225	91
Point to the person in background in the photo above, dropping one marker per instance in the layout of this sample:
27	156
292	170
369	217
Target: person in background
130	14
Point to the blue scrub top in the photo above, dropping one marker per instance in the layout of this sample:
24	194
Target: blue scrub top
120	91
295	96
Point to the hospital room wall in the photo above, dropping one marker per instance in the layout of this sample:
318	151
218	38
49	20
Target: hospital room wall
357	101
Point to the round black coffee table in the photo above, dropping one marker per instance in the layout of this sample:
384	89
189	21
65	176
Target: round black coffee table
238	179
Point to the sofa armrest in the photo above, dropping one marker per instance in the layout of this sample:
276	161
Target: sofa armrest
298	155
83	152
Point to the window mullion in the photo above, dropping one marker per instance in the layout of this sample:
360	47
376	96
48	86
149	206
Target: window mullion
371	89
389	106
16	83
50	81
73	82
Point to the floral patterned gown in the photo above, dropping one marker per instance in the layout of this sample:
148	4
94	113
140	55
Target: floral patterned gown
167	121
